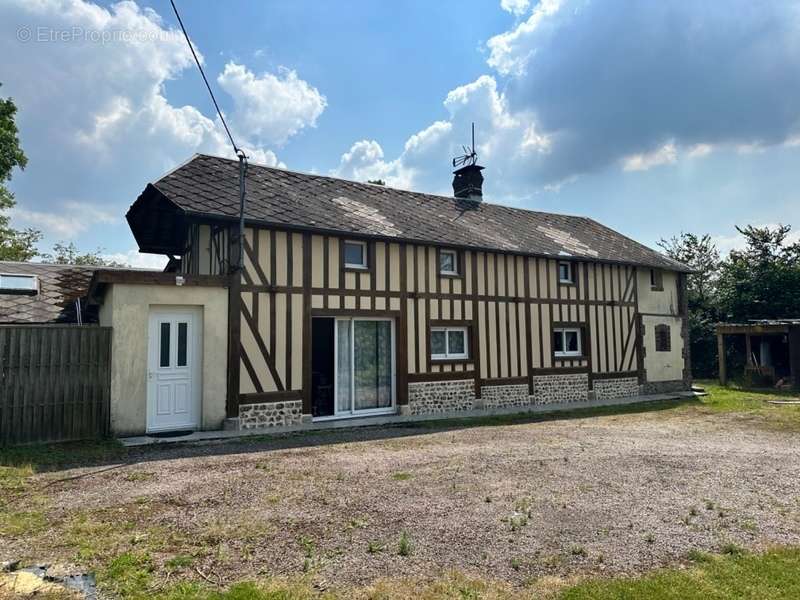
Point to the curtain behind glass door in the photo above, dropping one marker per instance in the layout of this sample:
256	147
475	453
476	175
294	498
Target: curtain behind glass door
372	383
343	366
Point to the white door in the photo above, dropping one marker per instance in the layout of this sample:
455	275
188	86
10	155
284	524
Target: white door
174	357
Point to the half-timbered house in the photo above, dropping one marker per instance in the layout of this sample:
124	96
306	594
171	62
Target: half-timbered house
359	300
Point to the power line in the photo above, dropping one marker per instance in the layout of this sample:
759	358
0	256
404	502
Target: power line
202	73
238	151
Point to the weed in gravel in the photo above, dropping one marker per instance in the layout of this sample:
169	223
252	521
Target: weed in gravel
696	555
138	476
309	553
404	546
578	550
518	521
127	575
401	476
749	525
488	499
375	546
693	511
176	563
20	523
357	523
15	479
732	549
709	505
516	563
649	538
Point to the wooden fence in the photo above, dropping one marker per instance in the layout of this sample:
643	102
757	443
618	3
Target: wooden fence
54	382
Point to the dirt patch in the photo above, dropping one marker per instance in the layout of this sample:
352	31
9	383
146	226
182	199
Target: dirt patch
615	494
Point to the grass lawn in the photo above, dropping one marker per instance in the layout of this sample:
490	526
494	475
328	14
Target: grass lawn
121	513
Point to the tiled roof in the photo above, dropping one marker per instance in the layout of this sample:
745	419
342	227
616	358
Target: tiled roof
59	287
208	185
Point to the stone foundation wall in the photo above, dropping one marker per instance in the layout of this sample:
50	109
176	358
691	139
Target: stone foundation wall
548	389
609	389
503	396
666	387
271	414
441	396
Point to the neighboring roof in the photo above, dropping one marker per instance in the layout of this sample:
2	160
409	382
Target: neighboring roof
759	326
59	287
209	186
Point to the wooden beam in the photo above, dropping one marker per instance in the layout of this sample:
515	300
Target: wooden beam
748	348
234	326
723	376
794	356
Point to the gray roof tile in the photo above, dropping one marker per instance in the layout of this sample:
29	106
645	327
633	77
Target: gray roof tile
209	186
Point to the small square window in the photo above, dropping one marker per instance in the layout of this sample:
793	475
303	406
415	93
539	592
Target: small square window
656	280
449	343
355	255
567	342
565	272
448	262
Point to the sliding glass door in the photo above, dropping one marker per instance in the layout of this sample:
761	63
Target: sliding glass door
365	373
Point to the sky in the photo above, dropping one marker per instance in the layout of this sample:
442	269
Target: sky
652	117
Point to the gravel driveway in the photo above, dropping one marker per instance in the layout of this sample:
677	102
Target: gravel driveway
610	494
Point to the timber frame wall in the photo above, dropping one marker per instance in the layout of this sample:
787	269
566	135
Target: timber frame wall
510	304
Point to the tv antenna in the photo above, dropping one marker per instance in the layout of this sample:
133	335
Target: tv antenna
470	157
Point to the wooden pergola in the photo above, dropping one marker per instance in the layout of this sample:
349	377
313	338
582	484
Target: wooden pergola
788	327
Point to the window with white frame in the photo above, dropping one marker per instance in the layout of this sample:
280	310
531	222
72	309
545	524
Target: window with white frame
565	272
449	343
448	262
18	284
355	255
567	341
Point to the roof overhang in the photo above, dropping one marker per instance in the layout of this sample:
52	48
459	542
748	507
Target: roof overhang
102	278
157	224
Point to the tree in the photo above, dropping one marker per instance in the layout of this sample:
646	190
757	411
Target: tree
14	244
68	254
762	281
376	181
702	256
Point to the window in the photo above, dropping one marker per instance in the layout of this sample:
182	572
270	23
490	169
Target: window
26	284
663	343
448	262
656	281
355	255
449	343
565	272
163	360
567	342
183	329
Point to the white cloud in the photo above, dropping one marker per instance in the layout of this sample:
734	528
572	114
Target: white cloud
74	219
665	155
581	86
94	116
515	7
271	107
138	260
700	150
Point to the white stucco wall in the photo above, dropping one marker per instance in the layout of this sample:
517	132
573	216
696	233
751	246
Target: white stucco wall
663	366
653	301
126	308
